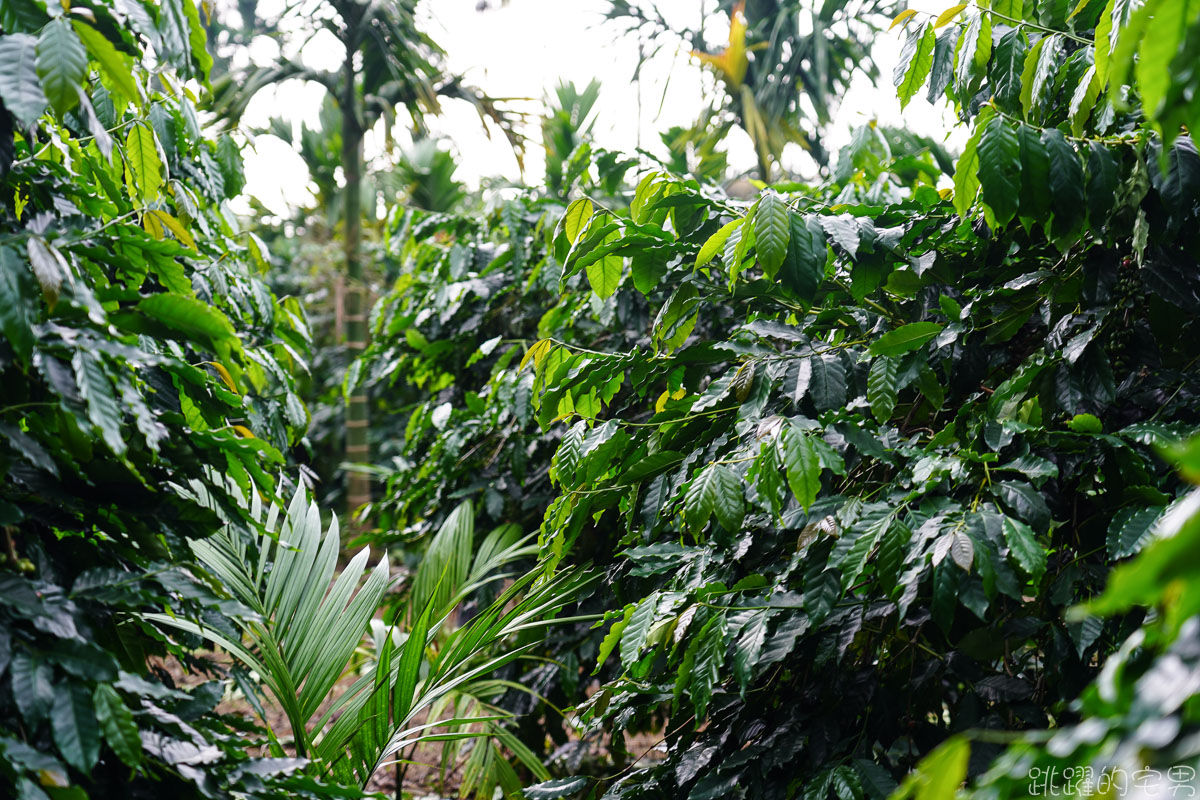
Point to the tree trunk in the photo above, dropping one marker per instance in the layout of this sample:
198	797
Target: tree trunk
358	448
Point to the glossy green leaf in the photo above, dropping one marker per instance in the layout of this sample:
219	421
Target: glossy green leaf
1000	168
772	232
1005	69
803	266
882	385
801	465
193	318
904	339
716	490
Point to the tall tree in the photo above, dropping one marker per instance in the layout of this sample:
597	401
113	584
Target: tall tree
388	65
784	69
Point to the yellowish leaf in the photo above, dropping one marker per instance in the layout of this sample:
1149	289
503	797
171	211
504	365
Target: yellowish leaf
225	376
949	14
902	17
537	352
157	223
243	431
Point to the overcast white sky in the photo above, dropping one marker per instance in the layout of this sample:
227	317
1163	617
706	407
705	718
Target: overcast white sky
523	49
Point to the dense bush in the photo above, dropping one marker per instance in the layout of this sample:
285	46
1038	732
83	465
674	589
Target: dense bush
851	452
140	350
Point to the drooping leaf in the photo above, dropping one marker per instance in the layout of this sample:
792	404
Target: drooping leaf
17	304
116	723
19	85
966	174
974	51
882	386
916	61
1000	169
1004	70
73	721
1066	182
709	659
116	65
804	263
96	389
1083	101
61	64
716	490
801	465
141	152
716	243
749	648
772	232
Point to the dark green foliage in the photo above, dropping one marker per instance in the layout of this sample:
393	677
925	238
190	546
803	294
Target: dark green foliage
140	352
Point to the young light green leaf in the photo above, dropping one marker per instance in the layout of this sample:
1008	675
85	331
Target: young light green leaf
716	242
116	65
966	174
1167	24
141	153
916	60
613	637
576	218
1084	100
604	275
801	464
1023	545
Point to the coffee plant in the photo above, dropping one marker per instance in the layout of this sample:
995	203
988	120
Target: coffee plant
889	476
853	454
